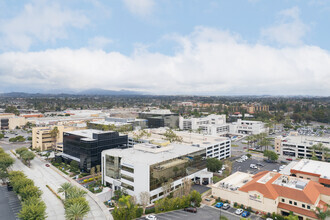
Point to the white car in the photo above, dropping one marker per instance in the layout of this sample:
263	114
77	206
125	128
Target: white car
282	167
253	166
239	211
220	171
275	170
151	217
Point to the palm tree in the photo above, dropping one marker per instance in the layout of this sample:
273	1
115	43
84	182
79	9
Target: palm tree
65	187
321	214
54	134
76	211
75	192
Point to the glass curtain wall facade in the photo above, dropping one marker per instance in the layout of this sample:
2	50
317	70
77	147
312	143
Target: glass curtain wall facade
176	168
89	151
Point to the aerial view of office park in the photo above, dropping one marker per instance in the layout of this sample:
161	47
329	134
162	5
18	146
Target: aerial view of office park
164	110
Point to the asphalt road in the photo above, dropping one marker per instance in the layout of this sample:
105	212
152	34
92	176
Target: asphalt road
42	176
9	204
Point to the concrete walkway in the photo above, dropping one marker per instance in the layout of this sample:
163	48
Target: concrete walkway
42	176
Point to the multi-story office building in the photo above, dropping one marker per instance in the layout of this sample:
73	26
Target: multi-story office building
217	147
42	139
270	192
161	118
247	127
10	121
209	125
145	167
85	146
301	146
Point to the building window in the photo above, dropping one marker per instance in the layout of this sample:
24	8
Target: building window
309	178
308	207
295	203
283	200
303	205
128	169
127	186
161	194
290	202
127	178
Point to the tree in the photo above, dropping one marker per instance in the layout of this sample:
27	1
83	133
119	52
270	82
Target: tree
76	211
75	192
74	165
47	155
195	198
12	109
29	191
19	183
98	169
321	213
21	150
93	171
6	161
265	142
166	187
4	175
144	199
27	156
33	208
171	136
271	155
213	164
65	188
125	209
54	134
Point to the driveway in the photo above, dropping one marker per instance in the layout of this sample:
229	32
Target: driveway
42	176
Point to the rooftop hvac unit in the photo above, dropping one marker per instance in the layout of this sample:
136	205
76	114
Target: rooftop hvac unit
300	185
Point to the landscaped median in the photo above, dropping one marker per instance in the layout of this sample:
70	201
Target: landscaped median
30	195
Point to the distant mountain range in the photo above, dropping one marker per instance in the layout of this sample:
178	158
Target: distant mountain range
85	92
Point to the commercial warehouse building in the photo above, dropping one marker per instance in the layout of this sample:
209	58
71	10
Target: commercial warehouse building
270	192
145	167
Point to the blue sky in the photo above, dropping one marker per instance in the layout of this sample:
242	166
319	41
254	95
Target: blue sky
219	47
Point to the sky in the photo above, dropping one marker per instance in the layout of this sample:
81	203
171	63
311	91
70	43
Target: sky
166	47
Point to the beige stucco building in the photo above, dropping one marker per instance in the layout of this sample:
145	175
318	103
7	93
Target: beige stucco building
11	121
42	139
269	192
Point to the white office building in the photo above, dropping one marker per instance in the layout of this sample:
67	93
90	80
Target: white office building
145	167
209	125
247	127
300	146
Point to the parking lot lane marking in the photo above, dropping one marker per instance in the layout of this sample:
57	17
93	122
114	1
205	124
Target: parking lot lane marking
176	214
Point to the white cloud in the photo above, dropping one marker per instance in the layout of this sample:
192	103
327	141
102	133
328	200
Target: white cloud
288	30
140	7
39	21
99	42
210	61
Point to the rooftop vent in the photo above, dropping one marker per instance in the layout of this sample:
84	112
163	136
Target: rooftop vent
300	184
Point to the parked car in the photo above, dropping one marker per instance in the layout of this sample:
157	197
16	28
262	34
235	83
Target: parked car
219	205
226	206
220	171
207	199
47	165
275	170
239	211
260	164
289	159
253	166
205	182
245	214
151	217
282	167
190	209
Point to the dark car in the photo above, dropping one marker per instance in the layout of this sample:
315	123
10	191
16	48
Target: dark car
190	209
9	187
260	164
47	165
205	182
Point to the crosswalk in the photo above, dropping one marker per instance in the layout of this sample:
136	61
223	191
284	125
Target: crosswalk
13	201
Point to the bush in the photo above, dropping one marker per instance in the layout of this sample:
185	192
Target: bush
150	210
242	206
139	212
235	204
218	199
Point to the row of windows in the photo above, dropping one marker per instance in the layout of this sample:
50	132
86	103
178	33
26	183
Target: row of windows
295	203
128	169
123	176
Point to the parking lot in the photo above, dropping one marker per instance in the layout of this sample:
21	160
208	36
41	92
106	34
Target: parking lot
205	213
245	166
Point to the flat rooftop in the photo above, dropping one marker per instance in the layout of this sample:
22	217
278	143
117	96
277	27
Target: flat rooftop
311	166
188	138
109	123
159	112
234	181
87	134
309	140
150	153
291	182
